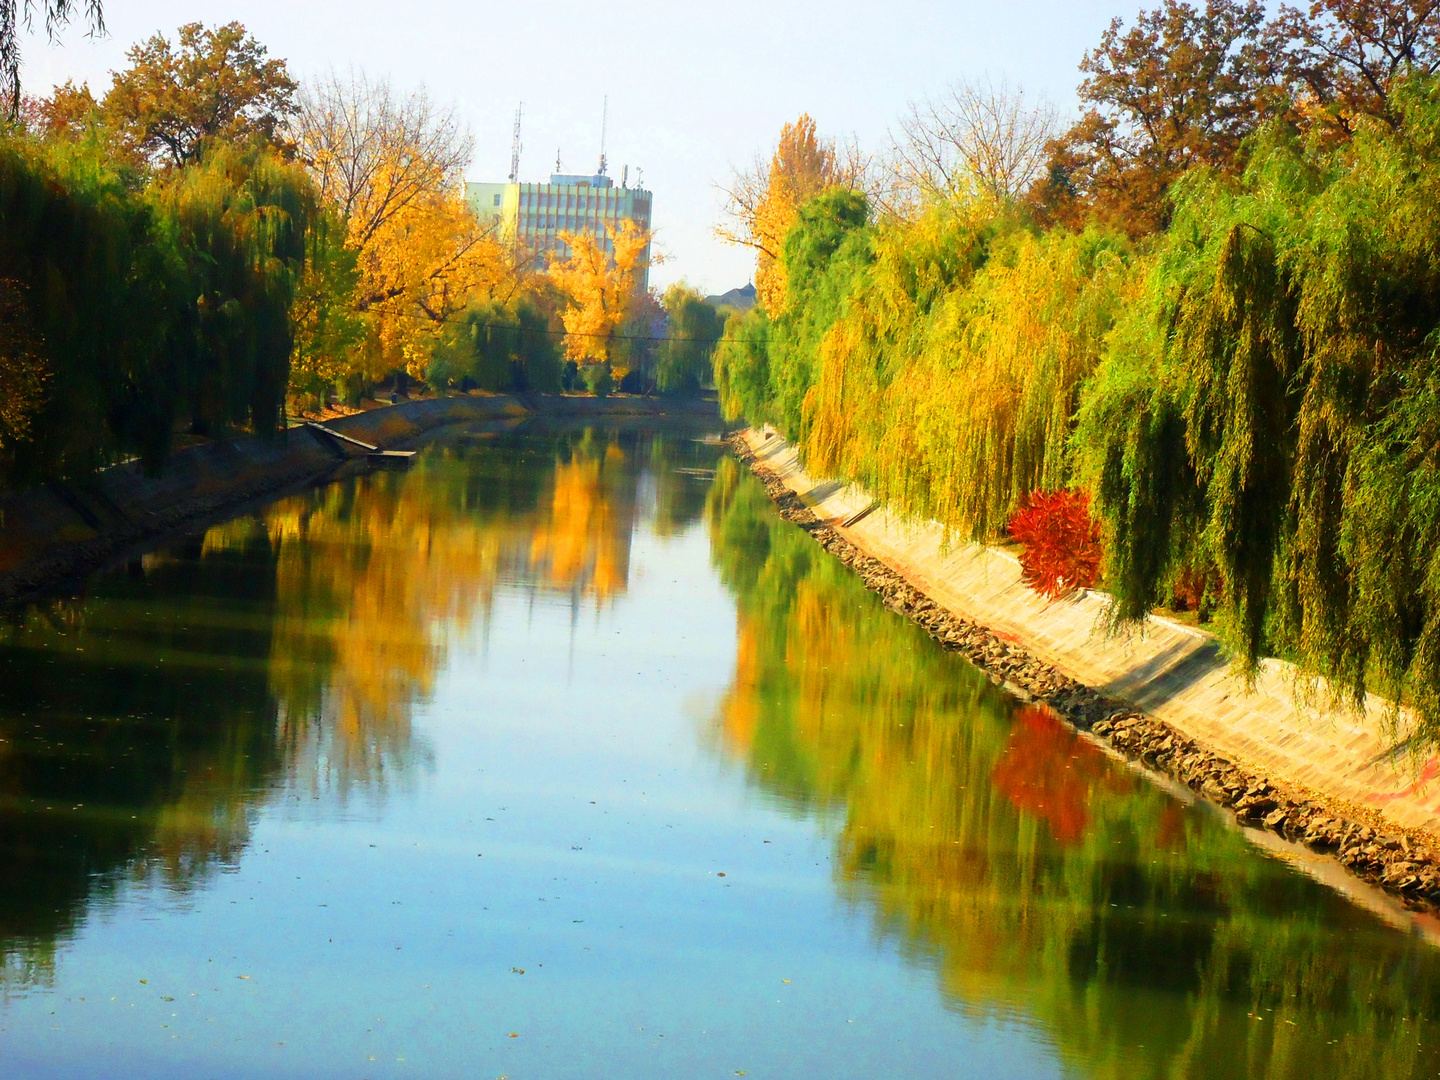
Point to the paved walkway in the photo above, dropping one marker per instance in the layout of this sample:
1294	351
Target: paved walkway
1171	671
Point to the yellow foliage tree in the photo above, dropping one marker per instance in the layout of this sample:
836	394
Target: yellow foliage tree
763	202
422	266
598	287
390	167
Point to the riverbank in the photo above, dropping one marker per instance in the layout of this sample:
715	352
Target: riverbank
51	537
1327	780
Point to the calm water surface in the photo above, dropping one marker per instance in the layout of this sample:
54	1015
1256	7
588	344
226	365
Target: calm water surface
560	755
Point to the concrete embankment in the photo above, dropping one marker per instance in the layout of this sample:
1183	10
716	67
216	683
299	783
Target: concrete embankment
1326	779
51	536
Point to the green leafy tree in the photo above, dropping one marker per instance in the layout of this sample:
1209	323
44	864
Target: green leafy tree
497	346
210	86
241	219
598	379
108	321
742	366
692	330
328	331
1267	408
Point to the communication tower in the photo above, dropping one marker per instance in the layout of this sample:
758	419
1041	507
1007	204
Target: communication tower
515	146
604	116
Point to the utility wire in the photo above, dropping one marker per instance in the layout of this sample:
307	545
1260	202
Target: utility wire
582	333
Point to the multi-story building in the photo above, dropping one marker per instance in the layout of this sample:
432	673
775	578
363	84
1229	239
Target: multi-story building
533	215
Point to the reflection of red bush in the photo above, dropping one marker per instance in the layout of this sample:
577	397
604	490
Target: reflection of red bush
1047	770
1062	542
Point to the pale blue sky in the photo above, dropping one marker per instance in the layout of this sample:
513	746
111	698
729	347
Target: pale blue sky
694	89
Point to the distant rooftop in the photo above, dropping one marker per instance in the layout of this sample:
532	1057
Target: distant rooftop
743	298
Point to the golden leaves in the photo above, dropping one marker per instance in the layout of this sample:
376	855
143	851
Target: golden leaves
389	166
764	202
599	287
419	268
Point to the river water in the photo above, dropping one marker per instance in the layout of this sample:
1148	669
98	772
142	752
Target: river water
560	755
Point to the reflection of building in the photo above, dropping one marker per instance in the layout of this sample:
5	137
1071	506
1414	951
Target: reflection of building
533	215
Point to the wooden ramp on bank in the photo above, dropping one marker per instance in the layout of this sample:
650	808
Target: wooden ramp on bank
339	443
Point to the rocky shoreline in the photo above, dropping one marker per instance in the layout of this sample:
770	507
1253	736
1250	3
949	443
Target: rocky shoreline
1401	864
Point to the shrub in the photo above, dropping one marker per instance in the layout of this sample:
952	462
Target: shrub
1061	539
597	379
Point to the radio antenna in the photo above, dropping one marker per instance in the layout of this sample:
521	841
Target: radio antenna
604	116
515	146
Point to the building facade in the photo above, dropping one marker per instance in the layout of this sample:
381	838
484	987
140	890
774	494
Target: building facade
533	215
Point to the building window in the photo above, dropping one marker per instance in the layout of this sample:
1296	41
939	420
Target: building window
497	200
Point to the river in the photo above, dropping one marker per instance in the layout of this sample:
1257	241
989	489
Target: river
560	755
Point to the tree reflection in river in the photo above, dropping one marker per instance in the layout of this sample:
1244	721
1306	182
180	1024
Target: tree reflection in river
1144	937
283	653
136	733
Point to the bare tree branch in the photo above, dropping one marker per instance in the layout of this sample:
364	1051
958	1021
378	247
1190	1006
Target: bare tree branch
372	153
974	138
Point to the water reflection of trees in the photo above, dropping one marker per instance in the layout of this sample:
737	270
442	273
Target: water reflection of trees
136	731
142	728
1039	879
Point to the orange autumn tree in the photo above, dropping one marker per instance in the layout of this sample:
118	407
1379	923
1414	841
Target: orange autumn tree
420	269
598	288
763	202
1062	542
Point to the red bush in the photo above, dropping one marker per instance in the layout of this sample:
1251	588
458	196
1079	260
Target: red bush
1061	539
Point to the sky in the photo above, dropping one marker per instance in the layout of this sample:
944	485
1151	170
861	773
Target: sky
694	90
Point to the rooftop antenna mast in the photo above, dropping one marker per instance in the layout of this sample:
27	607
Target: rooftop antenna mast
515	146
604	116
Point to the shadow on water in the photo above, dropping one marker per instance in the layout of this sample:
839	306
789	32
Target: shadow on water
1034	875
278	658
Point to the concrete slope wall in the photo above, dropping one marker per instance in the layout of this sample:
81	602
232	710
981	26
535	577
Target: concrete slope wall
1170	671
51	534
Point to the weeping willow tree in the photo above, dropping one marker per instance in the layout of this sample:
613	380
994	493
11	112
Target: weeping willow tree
129	312
824	259
240	218
742	366
498	346
1251	399
949	385
1267	409
95	287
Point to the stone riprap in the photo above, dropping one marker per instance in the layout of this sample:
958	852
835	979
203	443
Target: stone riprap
1164	697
